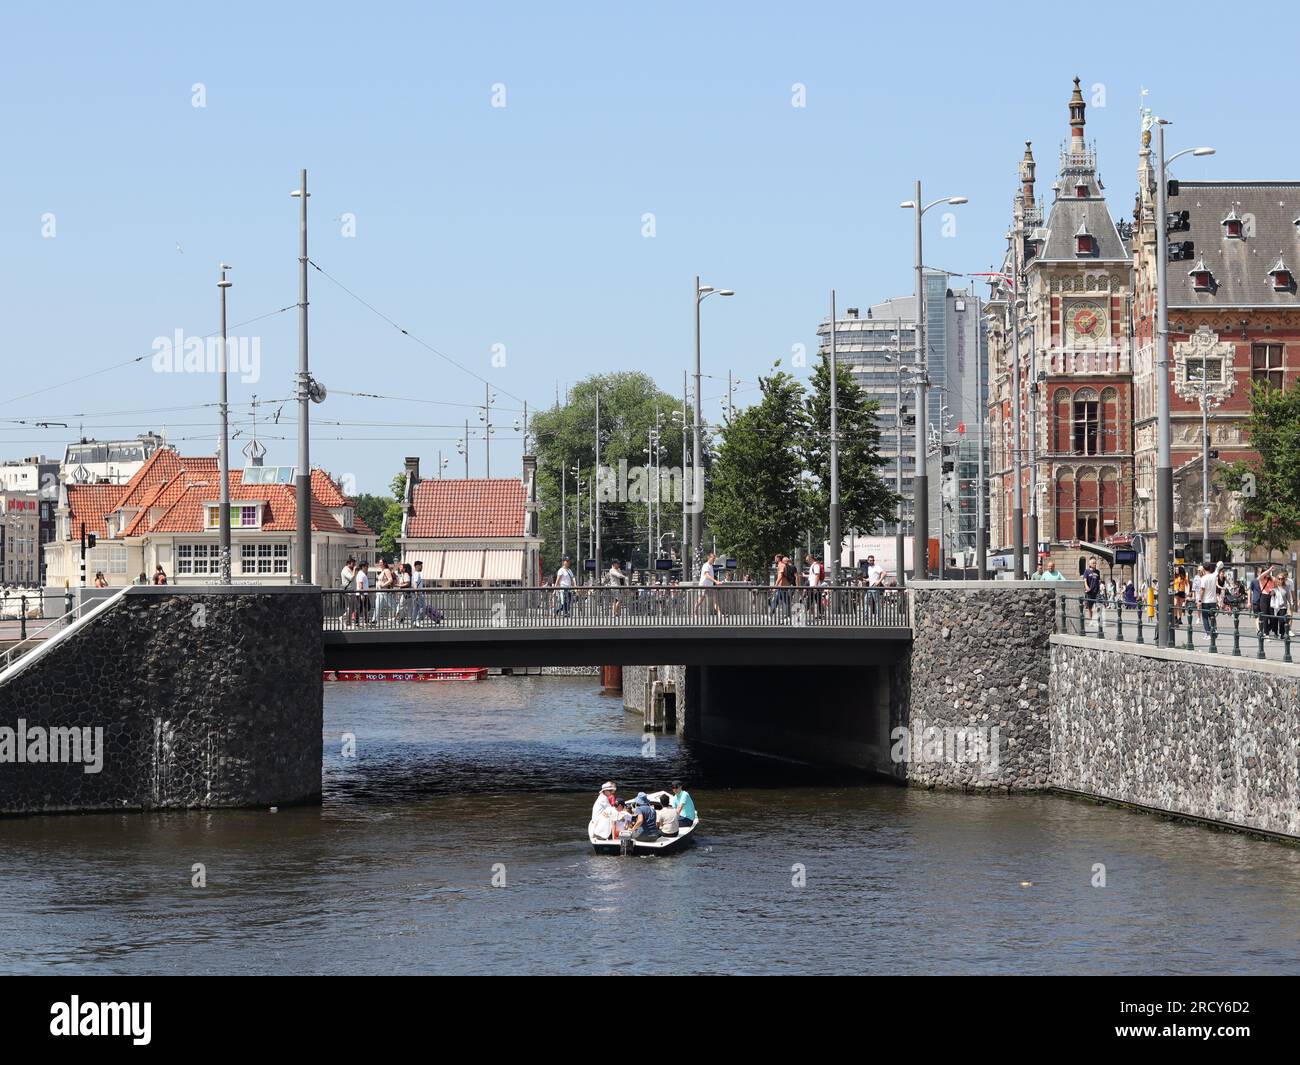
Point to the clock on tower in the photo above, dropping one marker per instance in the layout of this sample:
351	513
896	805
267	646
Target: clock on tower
1086	322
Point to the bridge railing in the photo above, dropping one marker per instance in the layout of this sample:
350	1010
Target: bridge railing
1234	631
635	607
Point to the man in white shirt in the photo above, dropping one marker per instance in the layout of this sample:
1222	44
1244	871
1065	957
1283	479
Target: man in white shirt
875	586
346	577
816	577
363	594
564	582
709	585
617	581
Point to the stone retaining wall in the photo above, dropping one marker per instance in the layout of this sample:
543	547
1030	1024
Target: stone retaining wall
1181	732
204	697
980	663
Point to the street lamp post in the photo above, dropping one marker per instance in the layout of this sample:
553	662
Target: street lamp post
1164	460
920	481
835	459
223	519
302	500
702	292
899	370
981	537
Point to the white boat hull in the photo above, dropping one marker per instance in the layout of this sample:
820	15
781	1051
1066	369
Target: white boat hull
658	845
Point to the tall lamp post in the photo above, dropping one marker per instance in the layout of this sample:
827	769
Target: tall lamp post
223	518
702	292
1164	461
921	481
900	559
835	458
302	500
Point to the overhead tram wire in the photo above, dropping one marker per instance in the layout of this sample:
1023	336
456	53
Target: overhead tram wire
406	332
139	358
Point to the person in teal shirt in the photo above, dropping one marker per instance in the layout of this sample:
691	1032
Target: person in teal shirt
684	804
1053	574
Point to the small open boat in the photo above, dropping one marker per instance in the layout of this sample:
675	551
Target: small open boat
626	845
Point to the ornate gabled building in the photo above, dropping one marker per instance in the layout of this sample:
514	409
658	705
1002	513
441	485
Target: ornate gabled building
1234	319
1072	276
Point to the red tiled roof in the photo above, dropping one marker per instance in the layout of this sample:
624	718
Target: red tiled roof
91	503
472	508
180	485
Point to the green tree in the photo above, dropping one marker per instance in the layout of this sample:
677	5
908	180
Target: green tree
1271	517
384	515
758	502
865	497
631	404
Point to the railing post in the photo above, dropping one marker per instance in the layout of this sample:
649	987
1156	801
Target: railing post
1236	633
1214	636
1286	638
1064	625
1259	631
1190	626
1119	624
1083	624
22	617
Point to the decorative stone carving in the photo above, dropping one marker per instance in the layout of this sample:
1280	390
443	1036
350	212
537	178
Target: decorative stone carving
1204	344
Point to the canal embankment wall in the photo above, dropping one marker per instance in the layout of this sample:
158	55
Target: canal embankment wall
169	697
1207	736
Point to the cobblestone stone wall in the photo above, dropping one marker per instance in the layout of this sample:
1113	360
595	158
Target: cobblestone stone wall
977	717
1170	731
202	697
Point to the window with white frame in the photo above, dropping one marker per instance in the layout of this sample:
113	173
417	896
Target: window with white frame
117	560
263	558
198	559
242	515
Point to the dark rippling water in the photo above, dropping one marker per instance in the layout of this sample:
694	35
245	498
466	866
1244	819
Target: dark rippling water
455	781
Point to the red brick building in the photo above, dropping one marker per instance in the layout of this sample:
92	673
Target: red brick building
1234	319
1073	279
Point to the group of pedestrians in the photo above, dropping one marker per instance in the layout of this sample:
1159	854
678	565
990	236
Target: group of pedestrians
393	594
1212	590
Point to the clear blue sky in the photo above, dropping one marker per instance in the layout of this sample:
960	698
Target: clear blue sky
522	226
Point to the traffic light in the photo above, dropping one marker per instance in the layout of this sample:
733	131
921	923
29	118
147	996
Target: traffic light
947	467
1178	221
1180	250
1214	452
1171	188
910	420
90	540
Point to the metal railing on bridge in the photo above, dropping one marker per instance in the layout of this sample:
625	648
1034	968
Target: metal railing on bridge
1231	631
644	606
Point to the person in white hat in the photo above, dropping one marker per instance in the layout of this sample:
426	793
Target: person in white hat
604	805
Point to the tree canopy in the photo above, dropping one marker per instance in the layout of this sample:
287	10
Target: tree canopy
1271	517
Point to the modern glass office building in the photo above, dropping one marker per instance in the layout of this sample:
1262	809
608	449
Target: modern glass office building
875	343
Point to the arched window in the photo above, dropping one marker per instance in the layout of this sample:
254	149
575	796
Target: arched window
1065	504
1085	428
1087	517
1109	429
1061	414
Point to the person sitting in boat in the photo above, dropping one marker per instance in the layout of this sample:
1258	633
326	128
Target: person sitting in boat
683	803
667	819
622	817
645	826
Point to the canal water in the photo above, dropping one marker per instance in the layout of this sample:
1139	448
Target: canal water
455	786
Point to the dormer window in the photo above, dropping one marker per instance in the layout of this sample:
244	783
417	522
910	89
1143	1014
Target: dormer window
1232	225
1084	242
1081	190
1202	278
1281	276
